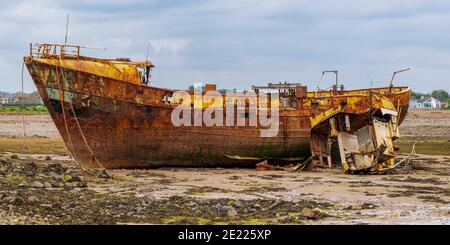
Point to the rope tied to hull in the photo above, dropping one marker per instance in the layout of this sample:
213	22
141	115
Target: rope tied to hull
22	112
61	101
75	119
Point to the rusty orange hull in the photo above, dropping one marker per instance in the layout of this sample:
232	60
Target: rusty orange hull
107	122
116	132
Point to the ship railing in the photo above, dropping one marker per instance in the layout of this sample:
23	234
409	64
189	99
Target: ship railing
47	51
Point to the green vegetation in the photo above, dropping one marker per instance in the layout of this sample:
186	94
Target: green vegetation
32	145
440	94
19	108
430	145
418	95
27	102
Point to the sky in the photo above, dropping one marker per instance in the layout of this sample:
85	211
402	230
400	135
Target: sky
237	43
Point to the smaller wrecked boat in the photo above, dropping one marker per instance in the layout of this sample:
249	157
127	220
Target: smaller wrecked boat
110	117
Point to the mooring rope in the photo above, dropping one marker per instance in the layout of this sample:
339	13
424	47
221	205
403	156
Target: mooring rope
22	112
78	125
61	100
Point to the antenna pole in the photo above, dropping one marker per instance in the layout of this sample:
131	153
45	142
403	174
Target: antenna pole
371	81
67	30
395	73
147	53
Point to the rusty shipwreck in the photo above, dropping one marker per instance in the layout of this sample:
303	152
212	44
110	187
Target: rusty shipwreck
109	117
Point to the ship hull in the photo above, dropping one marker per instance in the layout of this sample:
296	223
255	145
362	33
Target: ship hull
111	123
108	132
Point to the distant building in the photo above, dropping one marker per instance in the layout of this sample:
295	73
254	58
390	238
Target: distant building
413	102
6	100
427	103
32	101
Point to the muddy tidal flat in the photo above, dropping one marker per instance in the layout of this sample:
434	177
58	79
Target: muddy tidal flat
41	184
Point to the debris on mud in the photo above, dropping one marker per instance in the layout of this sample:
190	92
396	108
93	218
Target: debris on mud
104	175
265	166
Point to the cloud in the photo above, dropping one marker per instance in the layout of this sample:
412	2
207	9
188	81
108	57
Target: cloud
240	43
167	48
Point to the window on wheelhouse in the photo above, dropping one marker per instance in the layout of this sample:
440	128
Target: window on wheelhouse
145	74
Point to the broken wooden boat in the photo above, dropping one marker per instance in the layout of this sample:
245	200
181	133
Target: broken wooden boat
110	117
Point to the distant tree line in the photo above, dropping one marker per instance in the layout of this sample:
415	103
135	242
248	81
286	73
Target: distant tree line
439	94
